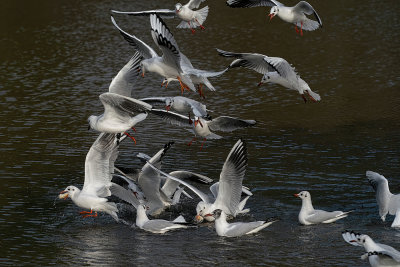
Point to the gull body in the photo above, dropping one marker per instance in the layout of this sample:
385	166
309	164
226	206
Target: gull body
154	226
387	202
223	228
378	255
308	215
96	188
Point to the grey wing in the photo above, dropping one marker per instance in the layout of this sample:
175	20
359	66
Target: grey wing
157	225
170	186
97	165
203	196
171	117
306	8
240	228
229	124
251	61
231	177
194	3
163	37
283	67
122	82
320	216
122	104
124	194
154	100
390	251
164	13
145	50
250	3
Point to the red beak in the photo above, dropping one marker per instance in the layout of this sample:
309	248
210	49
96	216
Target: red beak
271	16
63	192
168	107
259	84
296	195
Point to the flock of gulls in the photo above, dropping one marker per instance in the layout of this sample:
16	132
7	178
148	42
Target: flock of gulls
149	189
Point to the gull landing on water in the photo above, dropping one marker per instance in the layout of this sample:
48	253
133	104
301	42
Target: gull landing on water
308	215
190	18
296	14
387	202
274	69
378	255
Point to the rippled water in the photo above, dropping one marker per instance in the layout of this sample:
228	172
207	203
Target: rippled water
56	57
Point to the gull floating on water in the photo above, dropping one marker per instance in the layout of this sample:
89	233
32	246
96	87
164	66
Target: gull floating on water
96	188
274	69
308	215
296	14
223	228
157	226
120	114
387	202
379	255
203	127
190	18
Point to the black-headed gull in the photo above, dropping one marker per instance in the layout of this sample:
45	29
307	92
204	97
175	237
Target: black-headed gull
121	113
274	69
202	127
168	65
99	165
180	104
157	226
296	14
308	215
387	202
190	18
379	255
223	228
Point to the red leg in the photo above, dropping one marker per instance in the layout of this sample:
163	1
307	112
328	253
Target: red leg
301	29
202	143
94	215
201	26
295	27
133	138
133	128
193	31
304	98
190	143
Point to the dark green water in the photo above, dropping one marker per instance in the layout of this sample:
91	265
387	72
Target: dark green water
56	57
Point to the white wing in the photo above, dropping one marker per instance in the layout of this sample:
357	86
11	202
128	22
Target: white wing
145	50
231	177
351	238
281	66
121	84
194	3
306	8
118	105
97	165
380	184
172	117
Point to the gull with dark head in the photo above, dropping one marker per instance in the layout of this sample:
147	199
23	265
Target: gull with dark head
296	14
387	202
274	69
190	18
308	215
378	255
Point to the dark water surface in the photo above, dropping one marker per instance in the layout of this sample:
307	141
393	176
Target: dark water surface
56	57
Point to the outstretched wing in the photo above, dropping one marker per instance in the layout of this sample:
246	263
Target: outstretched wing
251	61
163	37
171	117
122	105
145	50
194	3
164	13
306	8
283	67
98	164
250	3
229	124
122	83
231	177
